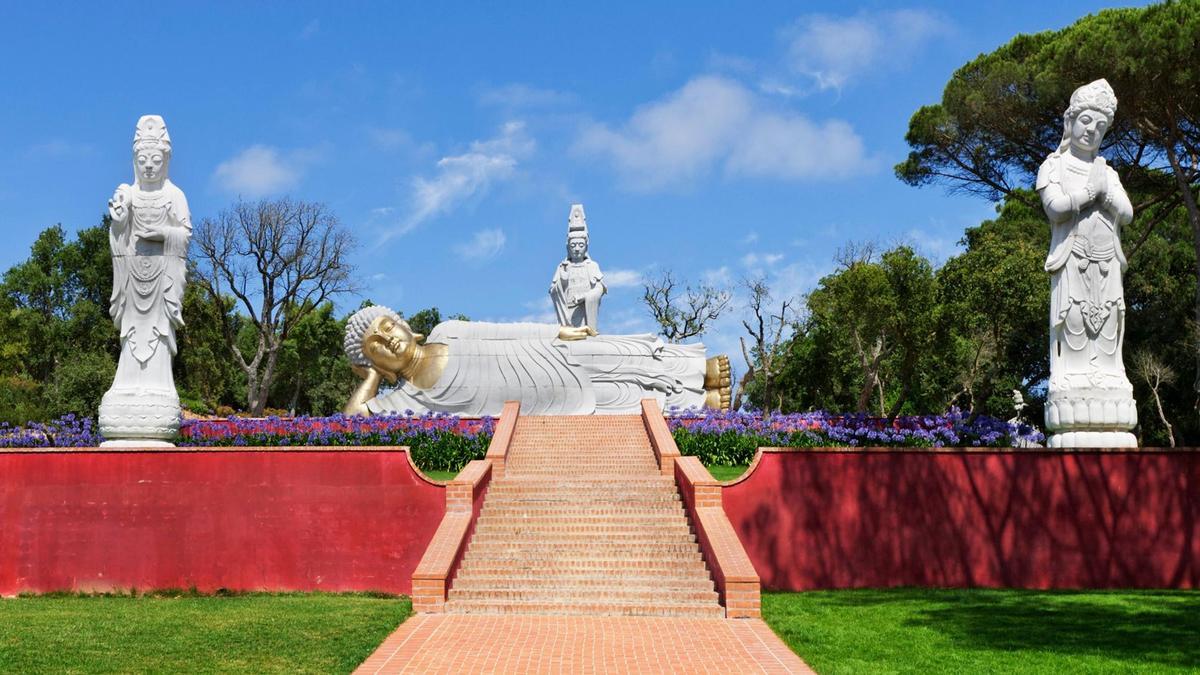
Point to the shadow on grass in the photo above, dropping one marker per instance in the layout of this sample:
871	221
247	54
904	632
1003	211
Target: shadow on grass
1137	626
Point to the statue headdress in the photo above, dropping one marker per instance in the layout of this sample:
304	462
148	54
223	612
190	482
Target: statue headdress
152	133
577	223
1099	96
356	330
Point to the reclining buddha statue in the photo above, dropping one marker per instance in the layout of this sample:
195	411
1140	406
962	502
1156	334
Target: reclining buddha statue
471	368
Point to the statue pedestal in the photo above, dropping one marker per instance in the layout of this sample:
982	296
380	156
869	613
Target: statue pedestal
139	417
1092	439
1091	417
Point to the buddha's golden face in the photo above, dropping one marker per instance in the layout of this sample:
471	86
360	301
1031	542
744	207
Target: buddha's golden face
389	344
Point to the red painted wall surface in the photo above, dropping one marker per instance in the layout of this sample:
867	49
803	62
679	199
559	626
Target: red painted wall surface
319	519
819	519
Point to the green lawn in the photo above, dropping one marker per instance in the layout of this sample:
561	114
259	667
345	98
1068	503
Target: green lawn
727	472
440	475
256	633
977	631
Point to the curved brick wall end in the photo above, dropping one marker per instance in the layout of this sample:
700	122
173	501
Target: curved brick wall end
330	519
878	518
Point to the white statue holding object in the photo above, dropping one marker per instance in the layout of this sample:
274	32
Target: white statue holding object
148	236
578	283
1090	401
471	368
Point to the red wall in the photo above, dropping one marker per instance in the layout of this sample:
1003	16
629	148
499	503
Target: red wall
297	519
843	519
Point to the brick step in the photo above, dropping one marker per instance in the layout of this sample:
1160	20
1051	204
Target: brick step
600	531
594	607
626	524
575	501
580	548
551	559
573	480
520	469
532	579
600	536
534	510
592	490
584	567
612	593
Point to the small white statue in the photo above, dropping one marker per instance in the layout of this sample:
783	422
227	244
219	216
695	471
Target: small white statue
578	282
1090	401
148	236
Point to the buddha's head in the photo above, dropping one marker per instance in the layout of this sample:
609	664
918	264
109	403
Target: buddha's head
151	151
1088	118
577	249
377	336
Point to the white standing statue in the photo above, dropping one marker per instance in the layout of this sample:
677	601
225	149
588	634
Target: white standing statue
1090	401
148	236
578	282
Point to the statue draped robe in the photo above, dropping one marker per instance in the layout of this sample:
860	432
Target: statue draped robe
584	281
147	298
491	363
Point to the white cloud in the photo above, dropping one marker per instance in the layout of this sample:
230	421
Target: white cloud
310	29
834	50
260	170
486	244
460	177
59	148
750	238
622	278
517	95
716	122
757	261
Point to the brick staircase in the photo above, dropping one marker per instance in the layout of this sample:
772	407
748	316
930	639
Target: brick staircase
583	522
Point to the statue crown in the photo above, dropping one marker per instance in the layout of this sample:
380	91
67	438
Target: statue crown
577	223
1098	95
152	132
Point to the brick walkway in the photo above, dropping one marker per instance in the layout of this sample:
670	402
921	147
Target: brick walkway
450	643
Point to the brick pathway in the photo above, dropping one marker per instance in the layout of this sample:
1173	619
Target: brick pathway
450	643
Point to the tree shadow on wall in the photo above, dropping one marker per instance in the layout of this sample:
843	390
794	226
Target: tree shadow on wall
1136	626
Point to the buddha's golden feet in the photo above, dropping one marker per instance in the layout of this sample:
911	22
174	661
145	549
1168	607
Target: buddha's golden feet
718	383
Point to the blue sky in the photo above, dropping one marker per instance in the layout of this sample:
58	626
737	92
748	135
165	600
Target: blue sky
716	140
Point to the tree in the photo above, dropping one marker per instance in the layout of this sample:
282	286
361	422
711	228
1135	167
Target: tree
1151	370
54	327
681	317
994	304
765	356
315	375
1001	114
279	259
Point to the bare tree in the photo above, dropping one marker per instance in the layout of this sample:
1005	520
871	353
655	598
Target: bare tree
683	314
764	358
280	259
1155	374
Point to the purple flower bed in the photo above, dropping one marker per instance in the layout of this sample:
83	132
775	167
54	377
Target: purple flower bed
732	438
437	442
68	431
447	442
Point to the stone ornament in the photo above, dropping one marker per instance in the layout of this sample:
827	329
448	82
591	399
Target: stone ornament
471	368
1090	401
148	237
578	283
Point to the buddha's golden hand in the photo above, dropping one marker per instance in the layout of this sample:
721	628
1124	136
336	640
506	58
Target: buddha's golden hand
570	333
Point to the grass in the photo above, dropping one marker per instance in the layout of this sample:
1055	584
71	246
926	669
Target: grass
956	631
727	472
438	474
259	633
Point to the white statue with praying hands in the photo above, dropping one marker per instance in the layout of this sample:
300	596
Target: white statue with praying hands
1090	400
149	230
578	283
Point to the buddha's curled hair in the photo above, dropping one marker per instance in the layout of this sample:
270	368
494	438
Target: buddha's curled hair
356	329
